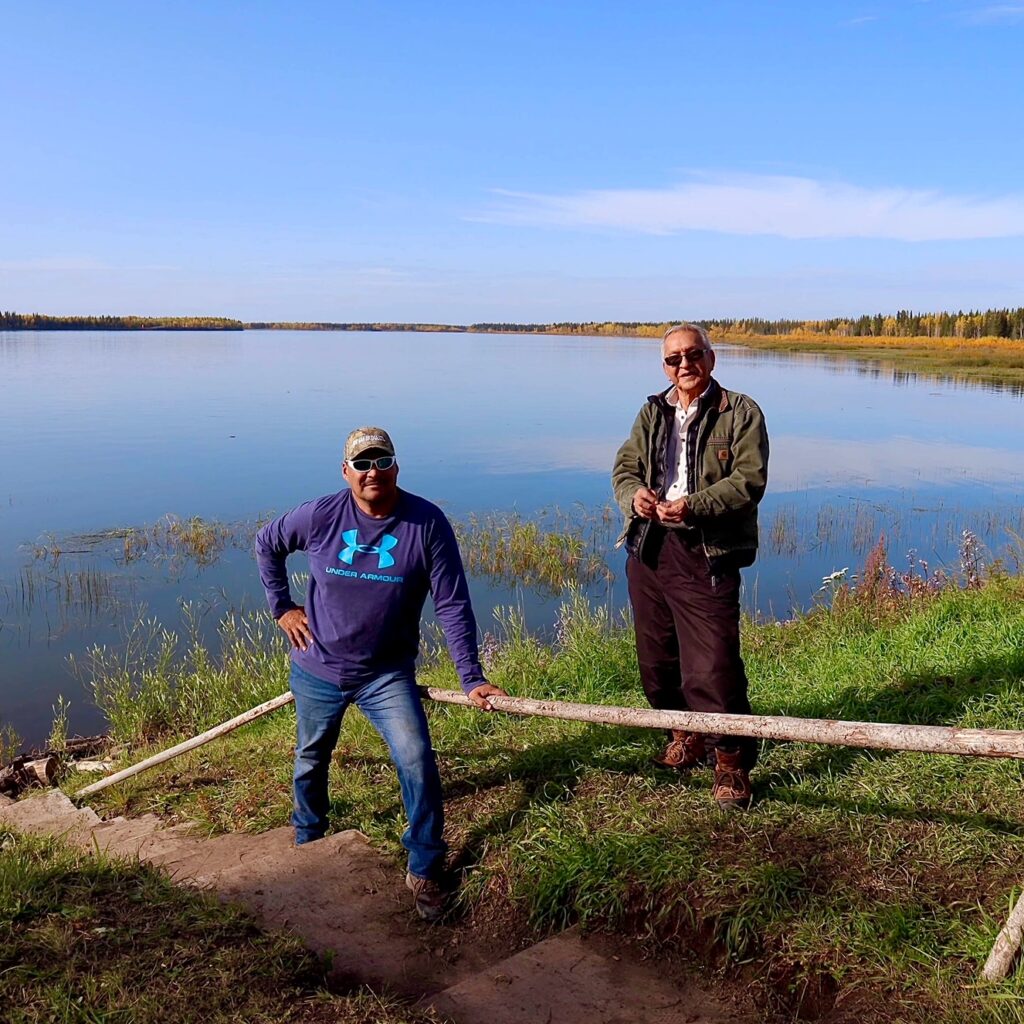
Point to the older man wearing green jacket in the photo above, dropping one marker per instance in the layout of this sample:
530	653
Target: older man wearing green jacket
688	480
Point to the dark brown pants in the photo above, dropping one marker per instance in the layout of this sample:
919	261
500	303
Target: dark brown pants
688	636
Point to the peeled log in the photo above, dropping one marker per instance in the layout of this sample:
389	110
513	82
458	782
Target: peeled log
197	741
1007	944
928	739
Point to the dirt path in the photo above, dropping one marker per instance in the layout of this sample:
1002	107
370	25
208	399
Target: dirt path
343	899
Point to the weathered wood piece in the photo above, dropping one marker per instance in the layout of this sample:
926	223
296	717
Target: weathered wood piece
22	772
84	746
929	739
1007	945
11	777
197	741
42	770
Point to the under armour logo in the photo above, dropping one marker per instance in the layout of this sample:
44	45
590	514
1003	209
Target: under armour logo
384	560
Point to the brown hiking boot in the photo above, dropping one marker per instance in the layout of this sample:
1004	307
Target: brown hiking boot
684	751
732	782
429	896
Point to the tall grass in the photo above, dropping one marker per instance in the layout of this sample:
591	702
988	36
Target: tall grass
163	681
10	743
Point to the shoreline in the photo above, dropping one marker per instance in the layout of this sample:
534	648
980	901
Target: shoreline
993	359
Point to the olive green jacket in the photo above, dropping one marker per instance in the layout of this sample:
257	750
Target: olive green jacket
728	470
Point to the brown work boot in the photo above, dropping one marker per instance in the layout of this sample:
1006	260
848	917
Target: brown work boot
684	751
732	782
429	896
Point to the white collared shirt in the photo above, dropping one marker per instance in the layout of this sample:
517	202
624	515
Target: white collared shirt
675	449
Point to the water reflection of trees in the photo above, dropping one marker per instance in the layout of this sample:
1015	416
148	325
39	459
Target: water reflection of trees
878	368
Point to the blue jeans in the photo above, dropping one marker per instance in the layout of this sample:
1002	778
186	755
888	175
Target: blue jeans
393	707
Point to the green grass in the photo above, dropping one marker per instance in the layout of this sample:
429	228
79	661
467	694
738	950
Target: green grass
879	873
101	941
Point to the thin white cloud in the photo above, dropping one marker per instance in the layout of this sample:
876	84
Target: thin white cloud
864	19
790	207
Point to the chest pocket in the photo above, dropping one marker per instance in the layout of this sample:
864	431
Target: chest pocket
720	449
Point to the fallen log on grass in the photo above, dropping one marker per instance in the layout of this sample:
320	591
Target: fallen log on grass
929	739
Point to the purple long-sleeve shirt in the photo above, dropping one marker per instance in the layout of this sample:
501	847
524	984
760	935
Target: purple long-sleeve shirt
368	581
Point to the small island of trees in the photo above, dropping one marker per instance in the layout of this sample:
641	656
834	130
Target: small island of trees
41	322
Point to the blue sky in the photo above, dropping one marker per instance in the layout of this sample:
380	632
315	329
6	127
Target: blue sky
462	162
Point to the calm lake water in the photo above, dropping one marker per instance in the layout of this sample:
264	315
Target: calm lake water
109	429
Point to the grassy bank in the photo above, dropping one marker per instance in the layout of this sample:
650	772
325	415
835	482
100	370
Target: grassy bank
990	359
86	939
879	879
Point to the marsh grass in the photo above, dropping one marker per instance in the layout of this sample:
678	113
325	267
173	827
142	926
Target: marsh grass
854	527
547	553
171	541
163	680
84	593
88	938
883	874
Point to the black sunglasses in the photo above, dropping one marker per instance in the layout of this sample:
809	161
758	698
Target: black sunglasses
694	355
365	465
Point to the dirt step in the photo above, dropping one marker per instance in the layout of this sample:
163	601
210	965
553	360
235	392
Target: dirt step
50	814
145	838
340	896
569	979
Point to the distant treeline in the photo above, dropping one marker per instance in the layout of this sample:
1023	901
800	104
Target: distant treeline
285	325
992	323
39	322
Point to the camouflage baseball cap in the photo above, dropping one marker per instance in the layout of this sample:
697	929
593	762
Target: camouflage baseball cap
362	439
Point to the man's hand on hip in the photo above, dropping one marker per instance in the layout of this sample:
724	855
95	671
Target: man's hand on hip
296	627
479	694
673	511
645	501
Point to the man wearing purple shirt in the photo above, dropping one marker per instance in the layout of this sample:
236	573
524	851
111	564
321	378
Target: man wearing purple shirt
374	552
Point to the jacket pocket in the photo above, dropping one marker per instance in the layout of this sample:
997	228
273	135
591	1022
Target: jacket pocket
644	540
720	449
